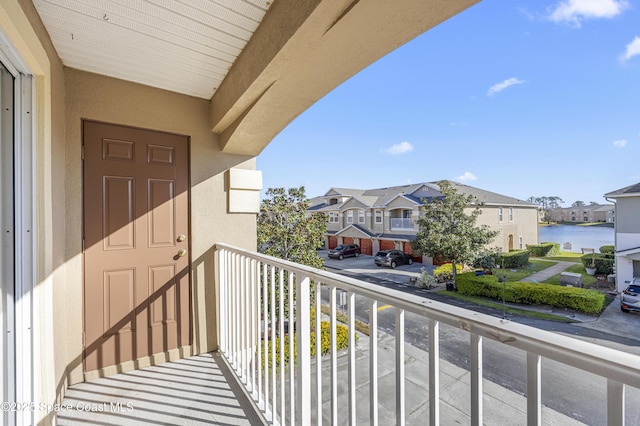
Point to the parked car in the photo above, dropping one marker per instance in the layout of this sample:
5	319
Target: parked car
392	258
344	250
630	297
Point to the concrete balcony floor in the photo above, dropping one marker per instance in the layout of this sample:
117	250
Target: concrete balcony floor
193	391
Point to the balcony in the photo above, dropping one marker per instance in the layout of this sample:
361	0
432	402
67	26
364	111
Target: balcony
381	378
401	224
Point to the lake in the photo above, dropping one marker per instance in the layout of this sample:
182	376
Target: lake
579	236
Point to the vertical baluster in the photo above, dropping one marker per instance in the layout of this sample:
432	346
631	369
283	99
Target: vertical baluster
281	341
434	372
334	358
373	362
253	307
352	357
534	391
222	325
303	391
400	389
292	323
476	379
234	311
318	332
615	403
272	342
243	317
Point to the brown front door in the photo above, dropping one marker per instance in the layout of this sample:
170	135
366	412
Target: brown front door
136	228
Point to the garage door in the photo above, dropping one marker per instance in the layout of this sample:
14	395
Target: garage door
333	242
407	249
387	245
366	247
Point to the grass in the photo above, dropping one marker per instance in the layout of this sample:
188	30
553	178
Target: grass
481	301
362	327
565	256
587	280
533	267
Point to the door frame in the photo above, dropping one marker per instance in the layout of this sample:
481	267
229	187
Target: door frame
119	368
17	315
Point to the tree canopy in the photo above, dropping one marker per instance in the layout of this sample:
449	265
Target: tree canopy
287	231
447	231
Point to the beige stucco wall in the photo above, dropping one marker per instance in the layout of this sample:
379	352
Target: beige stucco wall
524	224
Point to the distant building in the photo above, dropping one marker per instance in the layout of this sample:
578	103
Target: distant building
583	214
386	218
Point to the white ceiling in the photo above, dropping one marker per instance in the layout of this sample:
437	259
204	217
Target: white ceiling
186	46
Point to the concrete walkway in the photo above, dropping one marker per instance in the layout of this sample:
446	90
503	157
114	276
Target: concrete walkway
547	273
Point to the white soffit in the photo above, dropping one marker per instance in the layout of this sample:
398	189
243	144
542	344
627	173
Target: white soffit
186	46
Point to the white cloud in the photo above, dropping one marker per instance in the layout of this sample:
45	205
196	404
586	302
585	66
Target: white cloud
620	143
499	87
633	49
575	11
399	148
467	177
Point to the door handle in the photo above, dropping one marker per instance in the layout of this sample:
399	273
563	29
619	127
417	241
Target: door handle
181	238
182	252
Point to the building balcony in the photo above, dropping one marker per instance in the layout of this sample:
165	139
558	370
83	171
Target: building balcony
401	224
410	360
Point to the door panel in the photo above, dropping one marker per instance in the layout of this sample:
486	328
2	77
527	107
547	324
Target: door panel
136	283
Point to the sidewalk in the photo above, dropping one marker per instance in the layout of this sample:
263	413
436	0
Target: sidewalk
500	406
547	273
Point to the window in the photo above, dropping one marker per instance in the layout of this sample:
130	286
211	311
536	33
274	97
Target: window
520	243
378	215
510	214
500	214
333	217
360	216
350	216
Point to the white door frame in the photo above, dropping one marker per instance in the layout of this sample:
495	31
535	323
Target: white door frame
18	229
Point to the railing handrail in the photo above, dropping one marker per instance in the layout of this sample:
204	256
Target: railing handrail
600	360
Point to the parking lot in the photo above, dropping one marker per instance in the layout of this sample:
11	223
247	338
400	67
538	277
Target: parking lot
364	265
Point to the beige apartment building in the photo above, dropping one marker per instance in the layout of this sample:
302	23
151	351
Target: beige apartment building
386	218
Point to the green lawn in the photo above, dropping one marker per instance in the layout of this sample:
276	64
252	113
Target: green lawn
565	256
587	280
534	266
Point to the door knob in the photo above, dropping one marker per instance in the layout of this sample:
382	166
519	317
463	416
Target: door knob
181	238
182	252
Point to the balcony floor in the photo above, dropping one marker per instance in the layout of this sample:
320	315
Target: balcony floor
192	391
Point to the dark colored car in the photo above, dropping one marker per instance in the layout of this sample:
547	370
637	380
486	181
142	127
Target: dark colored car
630	297
344	250
392	258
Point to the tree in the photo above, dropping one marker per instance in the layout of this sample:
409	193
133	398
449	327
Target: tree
547	204
447	231
577	204
287	231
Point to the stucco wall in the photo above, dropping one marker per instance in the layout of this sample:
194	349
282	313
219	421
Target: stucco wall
524	224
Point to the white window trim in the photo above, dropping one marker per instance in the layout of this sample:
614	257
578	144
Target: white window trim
20	307
361	218
350	216
378	216
500	214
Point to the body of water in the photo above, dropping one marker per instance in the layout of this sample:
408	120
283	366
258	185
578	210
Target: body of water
578	236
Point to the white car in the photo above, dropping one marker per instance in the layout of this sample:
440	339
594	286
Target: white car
630	297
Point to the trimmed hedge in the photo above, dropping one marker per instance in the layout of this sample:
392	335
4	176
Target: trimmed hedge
608	249
514	259
604	262
544	249
588	301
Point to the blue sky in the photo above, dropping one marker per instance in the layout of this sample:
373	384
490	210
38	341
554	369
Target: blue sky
524	98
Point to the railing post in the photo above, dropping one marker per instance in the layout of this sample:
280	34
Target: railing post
434	372
615	403
400	388
351	326
373	362
476	379
534	390
303	385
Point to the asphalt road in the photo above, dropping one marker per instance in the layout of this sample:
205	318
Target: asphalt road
565	389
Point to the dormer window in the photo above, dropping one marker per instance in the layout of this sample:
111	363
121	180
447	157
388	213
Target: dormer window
333	201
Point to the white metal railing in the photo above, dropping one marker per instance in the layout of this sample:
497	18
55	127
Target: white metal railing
255	305
401	223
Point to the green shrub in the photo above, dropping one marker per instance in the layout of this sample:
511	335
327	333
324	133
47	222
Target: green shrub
588	301
342	342
603	262
445	272
426	280
544	249
607	249
487	259
514	259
